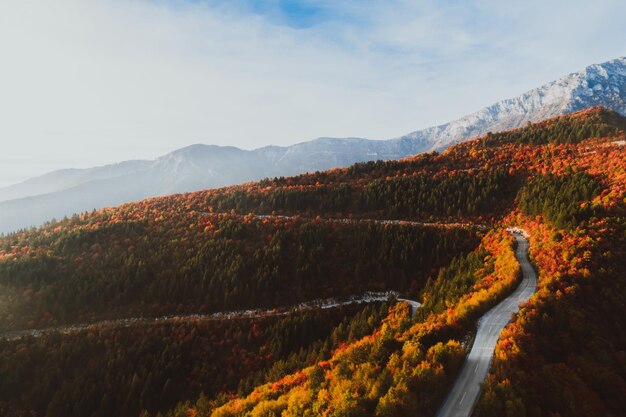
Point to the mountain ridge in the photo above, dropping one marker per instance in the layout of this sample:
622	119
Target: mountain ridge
551	99
201	166
330	235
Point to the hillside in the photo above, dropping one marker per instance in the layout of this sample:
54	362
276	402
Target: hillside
597	85
197	167
431	227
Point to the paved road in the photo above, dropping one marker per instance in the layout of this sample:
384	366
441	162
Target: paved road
464	394
442	225
319	304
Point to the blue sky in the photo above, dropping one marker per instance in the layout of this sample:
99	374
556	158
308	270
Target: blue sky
297	14
86	83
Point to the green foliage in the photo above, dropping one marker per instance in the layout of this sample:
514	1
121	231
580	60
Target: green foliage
202	252
415	196
562	130
563	200
399	370
284	340
459	195
143	271
119	372
454	281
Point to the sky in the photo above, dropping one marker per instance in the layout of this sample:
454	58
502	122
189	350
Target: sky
85	83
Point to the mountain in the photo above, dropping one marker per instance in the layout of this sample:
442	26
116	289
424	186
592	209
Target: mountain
68	178
188	169
180	305
196	167
597	85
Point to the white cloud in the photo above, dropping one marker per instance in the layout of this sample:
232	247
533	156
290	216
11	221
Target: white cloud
95	82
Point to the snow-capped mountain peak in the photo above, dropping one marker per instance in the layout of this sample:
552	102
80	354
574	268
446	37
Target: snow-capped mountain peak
205	166
597	85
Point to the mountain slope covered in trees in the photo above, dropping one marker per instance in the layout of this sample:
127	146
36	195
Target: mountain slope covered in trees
429	226
197	167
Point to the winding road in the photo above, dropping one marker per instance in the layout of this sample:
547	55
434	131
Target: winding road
395	222
319	304
466	390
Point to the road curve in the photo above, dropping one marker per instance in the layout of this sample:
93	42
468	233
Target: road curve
319	304
462	399
395	222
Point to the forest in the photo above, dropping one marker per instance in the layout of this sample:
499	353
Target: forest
207	263
558	198
565	129
404	368
418	196
564	354
122	371
431	227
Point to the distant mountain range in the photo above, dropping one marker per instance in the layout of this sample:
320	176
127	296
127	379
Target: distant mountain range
196	167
